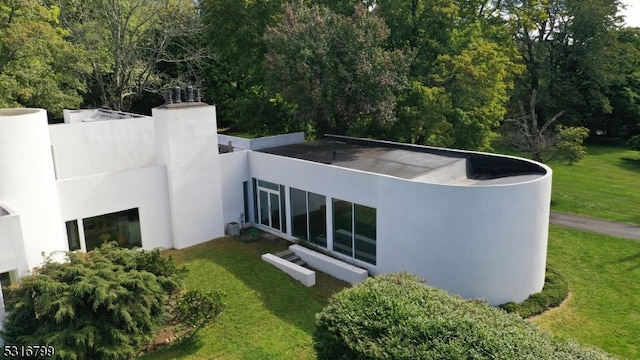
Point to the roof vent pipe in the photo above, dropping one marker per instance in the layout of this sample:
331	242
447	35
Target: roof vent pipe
177	95
189	93
168	97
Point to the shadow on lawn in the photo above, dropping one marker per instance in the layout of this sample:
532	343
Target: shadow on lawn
634	259
283	296
630	164
179	348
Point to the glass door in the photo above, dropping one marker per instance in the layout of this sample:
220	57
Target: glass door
269	205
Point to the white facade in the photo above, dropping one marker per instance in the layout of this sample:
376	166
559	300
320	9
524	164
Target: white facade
476	241
28	184
161	182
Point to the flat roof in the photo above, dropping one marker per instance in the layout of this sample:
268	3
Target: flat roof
418	163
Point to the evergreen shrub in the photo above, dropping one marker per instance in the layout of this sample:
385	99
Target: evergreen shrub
397	316
107	303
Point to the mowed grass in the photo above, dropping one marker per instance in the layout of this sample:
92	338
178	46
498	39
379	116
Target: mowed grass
268	314
271	316
605	184
604	276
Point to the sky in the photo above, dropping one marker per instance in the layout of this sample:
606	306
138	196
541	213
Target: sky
632	13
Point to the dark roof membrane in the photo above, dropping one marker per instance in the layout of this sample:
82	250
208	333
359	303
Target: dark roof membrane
412	161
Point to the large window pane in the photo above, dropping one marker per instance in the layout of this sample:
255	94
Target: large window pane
255	200
282	213
245	197
317	219
298	199
73	236
365	233
274	203
122	227
342	227
5	281
264	207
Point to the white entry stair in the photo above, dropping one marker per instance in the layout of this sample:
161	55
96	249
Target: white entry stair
291	264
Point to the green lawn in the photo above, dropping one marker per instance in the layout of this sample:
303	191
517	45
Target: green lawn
268	314
605	184
604	276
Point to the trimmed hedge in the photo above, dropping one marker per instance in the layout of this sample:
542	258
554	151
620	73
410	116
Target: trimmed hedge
555	290
397	316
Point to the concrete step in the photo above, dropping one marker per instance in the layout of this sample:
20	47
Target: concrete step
284	253
299	262
291	257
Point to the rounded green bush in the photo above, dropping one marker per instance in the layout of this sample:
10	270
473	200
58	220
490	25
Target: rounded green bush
397	316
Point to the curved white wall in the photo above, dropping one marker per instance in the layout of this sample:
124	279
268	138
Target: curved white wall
27	181
486	241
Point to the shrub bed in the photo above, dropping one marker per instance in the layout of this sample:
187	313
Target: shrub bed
555	290
397	316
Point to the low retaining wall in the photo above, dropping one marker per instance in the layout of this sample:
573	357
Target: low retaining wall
336	268
302	274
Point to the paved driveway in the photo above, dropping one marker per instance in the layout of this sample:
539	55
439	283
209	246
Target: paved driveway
622	230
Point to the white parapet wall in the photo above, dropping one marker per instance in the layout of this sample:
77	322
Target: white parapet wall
302	274
261	143
336	268
101	147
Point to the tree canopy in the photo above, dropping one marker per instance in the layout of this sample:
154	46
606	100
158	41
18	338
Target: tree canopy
39	67
129	42
571	56
333	69
443	73
462	72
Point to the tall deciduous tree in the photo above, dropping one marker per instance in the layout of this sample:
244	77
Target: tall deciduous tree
38	66
333	68
129	40
536	135
462	72
235	74
566	46
624	120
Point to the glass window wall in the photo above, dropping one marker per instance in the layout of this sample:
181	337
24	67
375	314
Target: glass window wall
122	227
309	216
354	230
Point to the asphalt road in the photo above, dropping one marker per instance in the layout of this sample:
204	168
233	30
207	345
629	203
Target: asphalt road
627	231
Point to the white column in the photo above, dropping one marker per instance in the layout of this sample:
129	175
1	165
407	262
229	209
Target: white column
187	144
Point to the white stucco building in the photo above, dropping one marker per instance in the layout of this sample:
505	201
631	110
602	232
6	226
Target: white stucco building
472	223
